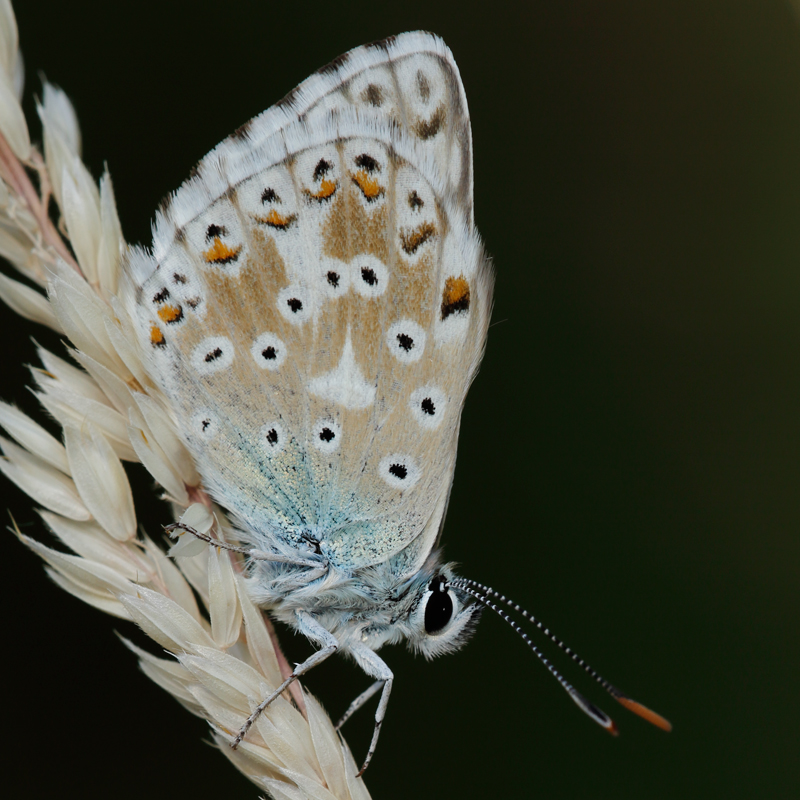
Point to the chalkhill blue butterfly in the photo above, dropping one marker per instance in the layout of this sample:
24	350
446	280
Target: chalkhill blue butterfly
315	306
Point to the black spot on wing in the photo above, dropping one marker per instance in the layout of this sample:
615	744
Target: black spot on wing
322	168
405	341
400	471
367	162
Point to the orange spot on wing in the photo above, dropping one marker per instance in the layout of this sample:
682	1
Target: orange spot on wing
368	185
455	290
221	253
276	220
455	296
645	713
326	189
170	313
156	336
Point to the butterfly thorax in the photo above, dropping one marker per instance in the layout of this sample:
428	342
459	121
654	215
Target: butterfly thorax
372	607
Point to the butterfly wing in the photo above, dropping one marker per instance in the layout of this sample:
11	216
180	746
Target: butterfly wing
316	306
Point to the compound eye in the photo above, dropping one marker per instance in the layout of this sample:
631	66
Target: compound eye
439	608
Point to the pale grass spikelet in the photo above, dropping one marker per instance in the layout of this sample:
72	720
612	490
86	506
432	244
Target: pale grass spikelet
119	332
62	135
163	434
101	480
223	658
12	120
111	244
81	209
27	302
33	437
47	486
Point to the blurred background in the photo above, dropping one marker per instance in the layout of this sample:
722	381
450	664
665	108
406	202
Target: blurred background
629	463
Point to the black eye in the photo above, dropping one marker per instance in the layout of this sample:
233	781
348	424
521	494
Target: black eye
439	608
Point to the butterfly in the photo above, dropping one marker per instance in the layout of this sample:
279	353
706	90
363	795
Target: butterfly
314	307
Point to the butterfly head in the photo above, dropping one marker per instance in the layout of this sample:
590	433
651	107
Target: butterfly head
441	619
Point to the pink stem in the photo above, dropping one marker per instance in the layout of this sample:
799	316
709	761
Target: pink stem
286	670
17	178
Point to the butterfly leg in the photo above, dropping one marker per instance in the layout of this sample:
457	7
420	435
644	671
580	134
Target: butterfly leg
311	629
178	528
358	702
375	667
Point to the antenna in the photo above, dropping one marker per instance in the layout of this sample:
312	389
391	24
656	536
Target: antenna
482	594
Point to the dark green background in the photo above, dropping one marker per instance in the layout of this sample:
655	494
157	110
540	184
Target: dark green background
630	453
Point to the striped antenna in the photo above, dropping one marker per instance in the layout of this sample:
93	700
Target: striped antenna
482	594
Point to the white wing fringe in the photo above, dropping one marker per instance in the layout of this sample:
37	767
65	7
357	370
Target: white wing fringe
224	660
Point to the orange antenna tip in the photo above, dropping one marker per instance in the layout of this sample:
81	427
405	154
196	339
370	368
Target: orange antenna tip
645	713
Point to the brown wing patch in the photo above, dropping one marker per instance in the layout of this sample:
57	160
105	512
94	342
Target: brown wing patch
423	86
373	94
428	128
353	228
415	202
